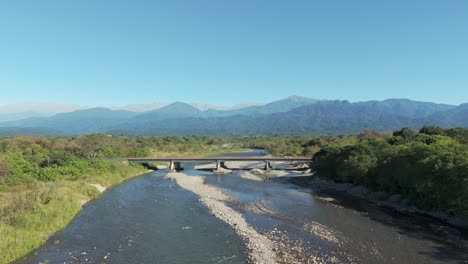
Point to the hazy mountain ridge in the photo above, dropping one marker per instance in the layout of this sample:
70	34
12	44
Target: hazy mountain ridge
76	122
293	115
7	117
283	105
14	112
406	107
454	117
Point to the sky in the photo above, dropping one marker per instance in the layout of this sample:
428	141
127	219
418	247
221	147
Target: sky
111	52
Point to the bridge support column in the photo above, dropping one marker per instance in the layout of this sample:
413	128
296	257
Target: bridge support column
171	167
218	166
223	165
268	166
174	166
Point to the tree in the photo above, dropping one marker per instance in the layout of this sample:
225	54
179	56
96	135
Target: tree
459	134
91	146
368	134
4	146
310	150
324	161
215	141
432	130
4	170
405	133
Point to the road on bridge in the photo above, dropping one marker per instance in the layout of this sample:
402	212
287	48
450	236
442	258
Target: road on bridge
174	162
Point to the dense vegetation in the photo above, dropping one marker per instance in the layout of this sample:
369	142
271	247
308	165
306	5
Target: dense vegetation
429	167
295	145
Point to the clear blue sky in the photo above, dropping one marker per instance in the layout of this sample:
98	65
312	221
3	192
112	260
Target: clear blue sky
111	52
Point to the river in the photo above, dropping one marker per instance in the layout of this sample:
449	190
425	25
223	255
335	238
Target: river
150	219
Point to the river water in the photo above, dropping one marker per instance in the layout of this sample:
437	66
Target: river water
150	219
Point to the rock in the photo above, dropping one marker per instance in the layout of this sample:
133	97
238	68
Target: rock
439	215
343	186
99	187
456	221
359	191
378	196
83	202
257	171
161	167
395	198
222	171
276	173
326	184
405	201
413	209
250	176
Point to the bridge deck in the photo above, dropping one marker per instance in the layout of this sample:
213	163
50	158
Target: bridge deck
202	159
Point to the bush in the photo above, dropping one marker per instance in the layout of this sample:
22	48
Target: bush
91	192
4	169
49	174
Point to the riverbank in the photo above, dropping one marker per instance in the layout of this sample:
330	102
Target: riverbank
394	202
30	214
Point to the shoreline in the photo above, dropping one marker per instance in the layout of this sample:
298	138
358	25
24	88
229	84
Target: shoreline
394	202
76	199
104	188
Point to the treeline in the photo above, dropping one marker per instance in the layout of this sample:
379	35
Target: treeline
429	167
295	145
26	159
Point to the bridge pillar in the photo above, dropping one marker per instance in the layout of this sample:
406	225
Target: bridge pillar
223	165
268	165
171	167
218	166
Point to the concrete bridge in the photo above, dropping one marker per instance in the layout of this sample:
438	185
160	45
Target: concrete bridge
175	162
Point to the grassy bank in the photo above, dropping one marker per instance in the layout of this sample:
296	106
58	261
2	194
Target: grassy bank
30	213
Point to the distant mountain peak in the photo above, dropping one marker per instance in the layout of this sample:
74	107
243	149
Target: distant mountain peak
99	108
298	98
179	106
141	107
170	111
96	112
205	107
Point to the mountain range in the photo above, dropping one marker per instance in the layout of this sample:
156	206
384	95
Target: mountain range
293	115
